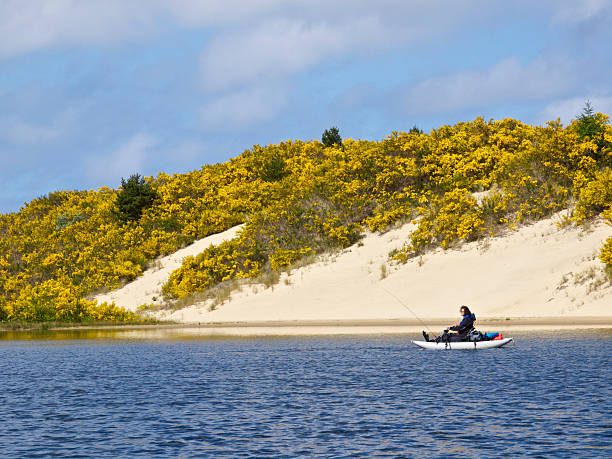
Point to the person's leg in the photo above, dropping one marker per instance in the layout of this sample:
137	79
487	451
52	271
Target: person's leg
444	337
455	338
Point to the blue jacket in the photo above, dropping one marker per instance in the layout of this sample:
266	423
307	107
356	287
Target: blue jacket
466	324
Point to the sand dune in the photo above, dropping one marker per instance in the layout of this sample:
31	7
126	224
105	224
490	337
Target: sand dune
536	271
147	288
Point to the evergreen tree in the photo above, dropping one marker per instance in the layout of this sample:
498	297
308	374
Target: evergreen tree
587	123
135	196
331	137
592	126
415	130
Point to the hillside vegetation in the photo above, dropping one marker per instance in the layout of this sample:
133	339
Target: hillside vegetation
297	199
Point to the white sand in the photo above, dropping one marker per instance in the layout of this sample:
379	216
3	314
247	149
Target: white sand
189	331
147	288
533	272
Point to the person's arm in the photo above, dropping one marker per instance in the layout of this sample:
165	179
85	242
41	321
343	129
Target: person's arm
466	325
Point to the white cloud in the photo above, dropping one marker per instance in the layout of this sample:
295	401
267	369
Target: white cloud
130	158
30	25
184	152
20	133
249	38
569	109
507	81
580	10
35	24
282	47
197	13
144	154
243	108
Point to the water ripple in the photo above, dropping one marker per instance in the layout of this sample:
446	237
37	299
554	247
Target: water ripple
335	397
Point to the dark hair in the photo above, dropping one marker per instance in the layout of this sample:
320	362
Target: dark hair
466	309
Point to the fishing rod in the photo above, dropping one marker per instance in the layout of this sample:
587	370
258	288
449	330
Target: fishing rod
404	305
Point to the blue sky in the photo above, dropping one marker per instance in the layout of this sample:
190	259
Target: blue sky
93	91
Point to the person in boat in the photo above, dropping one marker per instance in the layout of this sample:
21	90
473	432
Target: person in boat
457	332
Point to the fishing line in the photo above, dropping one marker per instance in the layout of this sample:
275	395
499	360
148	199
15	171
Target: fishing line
404	305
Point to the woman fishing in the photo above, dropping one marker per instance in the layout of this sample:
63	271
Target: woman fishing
461	329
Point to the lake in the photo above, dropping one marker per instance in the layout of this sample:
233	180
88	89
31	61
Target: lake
101	394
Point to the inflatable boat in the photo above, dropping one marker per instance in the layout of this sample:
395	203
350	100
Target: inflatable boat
468	345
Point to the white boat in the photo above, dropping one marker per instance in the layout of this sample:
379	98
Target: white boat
474	345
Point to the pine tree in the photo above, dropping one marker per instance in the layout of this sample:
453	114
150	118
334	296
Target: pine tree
415	130
587	123
135	196
331	137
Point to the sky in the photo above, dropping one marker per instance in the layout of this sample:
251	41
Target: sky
93	91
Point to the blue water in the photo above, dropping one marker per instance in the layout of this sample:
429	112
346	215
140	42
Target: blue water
70	395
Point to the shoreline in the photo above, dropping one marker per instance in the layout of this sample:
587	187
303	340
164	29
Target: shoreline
539	276
329	327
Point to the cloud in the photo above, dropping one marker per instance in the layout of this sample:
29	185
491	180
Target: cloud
129	158
299	35
580	11
20	133
196	13
569	109
282	47
143	154
186	151
35	24
243	108
27	26
507	81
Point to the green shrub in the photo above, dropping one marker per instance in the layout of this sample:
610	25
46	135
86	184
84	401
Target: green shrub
135	196
331	137
273	170
587	124
66	219
415	130
591	127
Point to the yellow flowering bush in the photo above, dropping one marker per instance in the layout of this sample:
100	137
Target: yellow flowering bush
300	198
595	196
606	251
286	257
445	220
238	258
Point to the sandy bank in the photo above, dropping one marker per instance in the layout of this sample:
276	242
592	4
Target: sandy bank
147	288
347	327
538	272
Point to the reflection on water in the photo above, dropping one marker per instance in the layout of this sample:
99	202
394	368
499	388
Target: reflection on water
182	333
111	334
221	332
166	392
